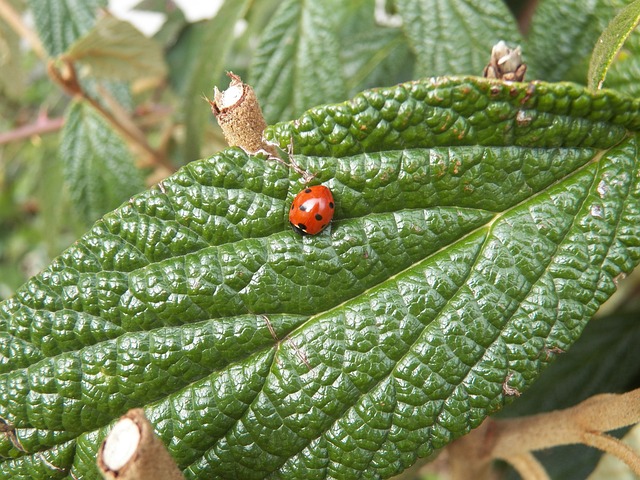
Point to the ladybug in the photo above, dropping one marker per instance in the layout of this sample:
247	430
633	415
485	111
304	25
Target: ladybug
311	210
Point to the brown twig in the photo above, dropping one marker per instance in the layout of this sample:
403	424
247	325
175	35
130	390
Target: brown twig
525	16
514	440
41	126
14	20
126	124
63	73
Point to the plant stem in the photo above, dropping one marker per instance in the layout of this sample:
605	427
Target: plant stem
600	413
14	20
240	116
65	76
525	15
514	440
615	447
40	127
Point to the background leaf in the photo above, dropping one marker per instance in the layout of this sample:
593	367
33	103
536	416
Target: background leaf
116	49
455	37
97	166
378	54
610	43
562	36
208	46
478	225
62	22
625	69
297	63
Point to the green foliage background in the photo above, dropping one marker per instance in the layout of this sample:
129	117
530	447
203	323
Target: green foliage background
297	55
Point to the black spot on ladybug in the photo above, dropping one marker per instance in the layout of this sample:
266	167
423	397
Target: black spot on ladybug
303	208
300	229
307	190
330	204
318	217
292	207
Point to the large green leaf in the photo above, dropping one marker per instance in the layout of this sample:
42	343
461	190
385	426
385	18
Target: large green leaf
98	168
455	36
478	225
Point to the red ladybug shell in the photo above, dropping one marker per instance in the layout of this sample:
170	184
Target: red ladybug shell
311	210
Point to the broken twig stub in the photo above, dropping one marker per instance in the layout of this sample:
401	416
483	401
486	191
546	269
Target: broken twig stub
240	116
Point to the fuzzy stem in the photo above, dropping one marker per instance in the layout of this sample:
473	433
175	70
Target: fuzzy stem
65	76
514	440
599	413
615	447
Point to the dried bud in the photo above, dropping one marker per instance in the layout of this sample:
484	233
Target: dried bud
506	63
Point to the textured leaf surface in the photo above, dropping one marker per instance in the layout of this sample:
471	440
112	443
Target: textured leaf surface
299	47
97	166
455	36
478	225
62	22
